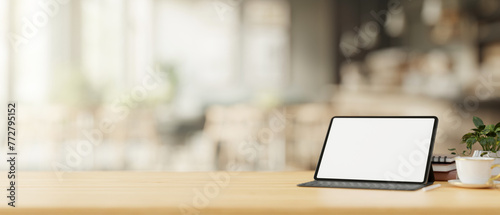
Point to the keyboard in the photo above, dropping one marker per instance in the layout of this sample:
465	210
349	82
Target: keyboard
362	185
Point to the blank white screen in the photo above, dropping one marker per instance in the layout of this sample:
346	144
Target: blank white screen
386	149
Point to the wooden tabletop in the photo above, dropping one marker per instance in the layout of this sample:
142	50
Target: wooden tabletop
228	193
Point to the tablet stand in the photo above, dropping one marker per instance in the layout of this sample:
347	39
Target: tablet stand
430	177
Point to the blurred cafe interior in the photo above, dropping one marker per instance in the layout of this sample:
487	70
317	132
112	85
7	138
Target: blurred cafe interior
203	85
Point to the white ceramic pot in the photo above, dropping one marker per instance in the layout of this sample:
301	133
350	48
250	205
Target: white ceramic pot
478	153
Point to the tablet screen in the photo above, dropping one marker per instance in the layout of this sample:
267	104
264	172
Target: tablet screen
377	149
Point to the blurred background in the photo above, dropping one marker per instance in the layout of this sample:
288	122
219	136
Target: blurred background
201	85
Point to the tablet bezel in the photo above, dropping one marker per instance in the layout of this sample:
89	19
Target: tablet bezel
429	157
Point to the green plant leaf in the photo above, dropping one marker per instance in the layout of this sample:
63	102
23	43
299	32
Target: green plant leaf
487	143
493	144
453	153
477	130
489	128
491	134
497	126
466	136
470	142
483	144
477	121
452	149
491	140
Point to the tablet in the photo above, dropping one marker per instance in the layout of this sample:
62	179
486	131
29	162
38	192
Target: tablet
378	148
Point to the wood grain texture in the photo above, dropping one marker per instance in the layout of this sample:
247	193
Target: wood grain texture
228	193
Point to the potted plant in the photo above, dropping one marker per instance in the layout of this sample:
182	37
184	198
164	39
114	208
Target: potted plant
488	136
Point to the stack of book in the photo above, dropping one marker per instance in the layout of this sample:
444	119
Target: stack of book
444	167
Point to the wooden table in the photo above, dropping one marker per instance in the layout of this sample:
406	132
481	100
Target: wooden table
228	193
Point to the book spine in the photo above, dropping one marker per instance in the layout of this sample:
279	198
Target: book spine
442	159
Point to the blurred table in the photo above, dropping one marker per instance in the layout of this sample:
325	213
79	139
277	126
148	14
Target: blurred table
228	193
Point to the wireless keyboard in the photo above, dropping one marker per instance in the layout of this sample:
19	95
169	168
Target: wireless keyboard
362	185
